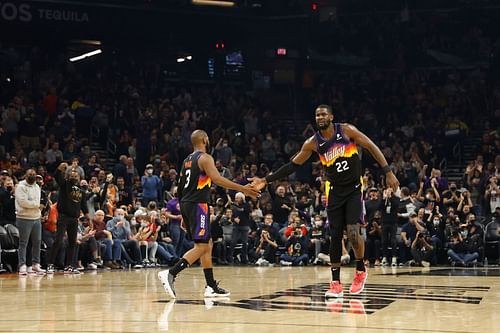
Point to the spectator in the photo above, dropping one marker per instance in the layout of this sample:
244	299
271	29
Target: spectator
120	230
125	197
112	247
297	248
71	202
223	152
151	186
459	252
389	208
241	228
282	206
422	250
409	234
87	245
7	202
318	237
27	202
373	240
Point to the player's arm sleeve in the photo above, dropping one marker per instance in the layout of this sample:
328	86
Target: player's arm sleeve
282	172
297	160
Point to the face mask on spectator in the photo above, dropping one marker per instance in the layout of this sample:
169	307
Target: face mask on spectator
144	224
149	171
9	188
318	223
436	222
30	180
428	196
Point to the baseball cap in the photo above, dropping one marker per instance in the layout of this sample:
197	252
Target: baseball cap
4	172
140	212
149	166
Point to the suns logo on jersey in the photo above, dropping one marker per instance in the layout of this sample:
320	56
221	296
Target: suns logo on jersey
336	151
203	181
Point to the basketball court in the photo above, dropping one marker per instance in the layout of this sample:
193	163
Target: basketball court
263	299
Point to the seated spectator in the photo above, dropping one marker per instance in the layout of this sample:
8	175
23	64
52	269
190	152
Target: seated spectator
120	230
297	248
112	247
318	237
409	234
373	240
217	233
146	236
422	250
166	250
267	245
86	245
460	253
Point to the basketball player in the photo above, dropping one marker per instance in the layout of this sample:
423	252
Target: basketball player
196	176
335	144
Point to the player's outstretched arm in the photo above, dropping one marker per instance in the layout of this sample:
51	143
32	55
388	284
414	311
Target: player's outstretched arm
365	142
207	164
298	159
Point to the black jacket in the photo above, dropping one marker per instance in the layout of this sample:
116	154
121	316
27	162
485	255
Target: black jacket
72	199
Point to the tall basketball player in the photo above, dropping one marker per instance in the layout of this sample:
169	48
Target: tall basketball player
336	145
196	176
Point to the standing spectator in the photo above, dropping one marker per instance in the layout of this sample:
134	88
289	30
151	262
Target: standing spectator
27	201
318	236
120	170
7	202
173	213
451	197
125	197
223	152
492	195
372	204
241	228
389	208
70	203
151	186
282	206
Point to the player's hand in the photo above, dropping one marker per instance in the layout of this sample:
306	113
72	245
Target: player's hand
258	183
392	181
252	191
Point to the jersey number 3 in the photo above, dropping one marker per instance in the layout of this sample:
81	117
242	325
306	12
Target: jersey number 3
342	166
188	178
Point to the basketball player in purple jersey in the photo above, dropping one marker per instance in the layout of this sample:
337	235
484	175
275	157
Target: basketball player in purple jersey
336	145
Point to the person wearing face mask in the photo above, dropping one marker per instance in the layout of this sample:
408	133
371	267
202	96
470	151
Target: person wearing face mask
435	226
373	239
27	201
8	209
71	201
151	186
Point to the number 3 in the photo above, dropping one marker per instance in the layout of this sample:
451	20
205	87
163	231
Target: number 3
342	166
188	178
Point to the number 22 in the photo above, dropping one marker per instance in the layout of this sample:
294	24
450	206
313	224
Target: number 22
342	166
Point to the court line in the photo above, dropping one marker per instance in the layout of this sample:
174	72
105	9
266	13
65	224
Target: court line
235	323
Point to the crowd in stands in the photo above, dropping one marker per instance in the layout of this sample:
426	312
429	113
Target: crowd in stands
130	214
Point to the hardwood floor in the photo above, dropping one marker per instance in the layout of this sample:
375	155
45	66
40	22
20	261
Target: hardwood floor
263	299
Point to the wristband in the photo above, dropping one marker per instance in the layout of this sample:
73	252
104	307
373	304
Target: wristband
386	169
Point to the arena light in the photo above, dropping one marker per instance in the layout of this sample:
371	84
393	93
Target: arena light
86	55
181	59
218	3
189	57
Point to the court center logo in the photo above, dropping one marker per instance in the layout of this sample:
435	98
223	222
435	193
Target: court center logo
375	297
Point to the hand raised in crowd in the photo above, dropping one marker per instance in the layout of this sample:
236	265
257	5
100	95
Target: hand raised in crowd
63	166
